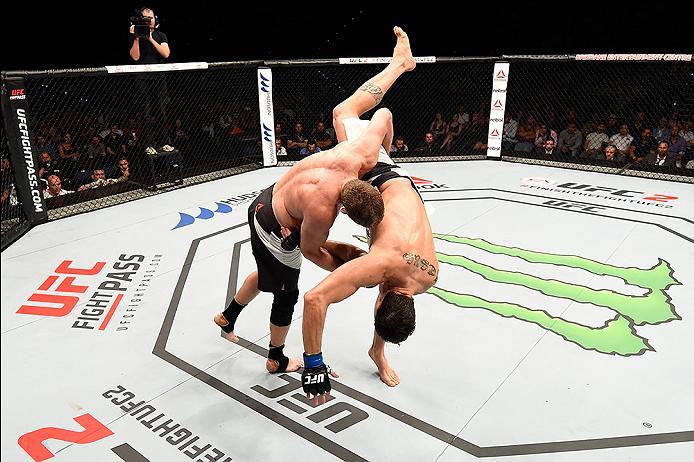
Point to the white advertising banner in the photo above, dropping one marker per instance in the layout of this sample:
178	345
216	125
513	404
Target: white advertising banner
267	117
497	110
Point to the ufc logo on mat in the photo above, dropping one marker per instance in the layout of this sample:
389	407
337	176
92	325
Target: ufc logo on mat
65	279
314	380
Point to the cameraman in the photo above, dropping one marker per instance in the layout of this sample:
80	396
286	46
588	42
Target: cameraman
152	48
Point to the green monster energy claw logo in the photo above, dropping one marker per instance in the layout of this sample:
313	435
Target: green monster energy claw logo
617	336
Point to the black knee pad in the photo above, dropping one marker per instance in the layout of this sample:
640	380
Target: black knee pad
283	307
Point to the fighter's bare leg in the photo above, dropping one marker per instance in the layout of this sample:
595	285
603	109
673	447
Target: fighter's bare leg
246	294
278	334
370	94
378	355
249	289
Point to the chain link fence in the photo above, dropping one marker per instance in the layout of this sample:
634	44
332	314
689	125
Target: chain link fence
617	117
90	130
102	139
439	111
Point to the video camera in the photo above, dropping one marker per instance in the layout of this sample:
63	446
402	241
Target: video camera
141	25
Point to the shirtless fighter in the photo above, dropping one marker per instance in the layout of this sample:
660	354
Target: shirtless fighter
401	258
293	217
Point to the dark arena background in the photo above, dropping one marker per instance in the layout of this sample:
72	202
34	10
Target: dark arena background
552	145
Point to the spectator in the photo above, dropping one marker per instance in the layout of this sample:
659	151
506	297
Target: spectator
296	140
612	127
42	145
94	153
547	149
508	139
234	128
551	120
84	138
310	149
478	132
639	124
123	170
54	137
645	146
622	140
570	141
179	135
66	150
612	154
98	180
687	133
398	148
542	134
115	146
592	124
55	188
47	166
462	116
595	141
322	137
279	134
661	158
428	146
451	138
280	150
131	139
438	127
107	131
526	134
570	117
677	145
68	155
662	131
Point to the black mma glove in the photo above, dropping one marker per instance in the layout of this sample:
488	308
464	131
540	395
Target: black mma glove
315	378
292	241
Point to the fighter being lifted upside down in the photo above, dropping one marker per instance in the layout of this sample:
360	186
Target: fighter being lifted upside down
401	259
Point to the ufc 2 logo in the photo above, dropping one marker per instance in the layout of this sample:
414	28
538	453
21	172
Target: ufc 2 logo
32	442
315	379
65	285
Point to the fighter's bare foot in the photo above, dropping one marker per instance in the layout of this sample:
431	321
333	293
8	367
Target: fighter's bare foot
294	365
221	321
388	375
402	52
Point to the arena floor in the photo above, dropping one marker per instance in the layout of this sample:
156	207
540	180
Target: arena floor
561	329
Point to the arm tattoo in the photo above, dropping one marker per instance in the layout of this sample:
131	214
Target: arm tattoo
420	262
375	91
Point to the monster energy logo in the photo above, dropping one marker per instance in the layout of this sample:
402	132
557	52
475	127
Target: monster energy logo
617	336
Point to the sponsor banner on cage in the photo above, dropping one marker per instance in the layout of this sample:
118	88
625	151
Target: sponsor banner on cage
22	156
130	68
385	60
634	57
267	117
498	108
